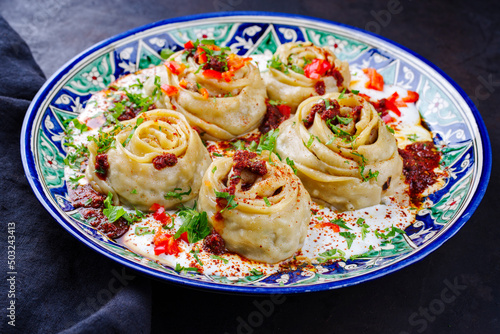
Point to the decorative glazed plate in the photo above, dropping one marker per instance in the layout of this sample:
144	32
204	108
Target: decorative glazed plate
451	116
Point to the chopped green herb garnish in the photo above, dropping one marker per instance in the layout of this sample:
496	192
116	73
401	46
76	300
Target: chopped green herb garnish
332	254
355	92
266	201
391	130
180	268
267	141
166	53
143	230
341	96
80	126
340	222
413	137
231	203
256	272
217	154
344	120
195	255
74	180
195	224
214	169
391	233
310	141
349	237
215	257
291	163
113	213
176	194
138	122
297	69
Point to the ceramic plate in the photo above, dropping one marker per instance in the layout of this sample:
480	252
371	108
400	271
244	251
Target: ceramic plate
449	113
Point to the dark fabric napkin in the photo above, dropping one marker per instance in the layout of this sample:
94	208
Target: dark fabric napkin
60	285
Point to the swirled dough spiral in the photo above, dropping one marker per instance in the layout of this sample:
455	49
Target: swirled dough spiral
231	108
351	170
293	87
132	177
267	232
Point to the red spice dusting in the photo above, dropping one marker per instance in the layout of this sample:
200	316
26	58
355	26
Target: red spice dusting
100	222
164	160
419	161
101	166
85	196
275	115
214	243
319	87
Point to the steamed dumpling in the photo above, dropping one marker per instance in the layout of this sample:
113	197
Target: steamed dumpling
156	158
343	151
257	204
222	94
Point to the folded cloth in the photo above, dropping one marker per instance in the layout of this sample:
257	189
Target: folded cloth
60	285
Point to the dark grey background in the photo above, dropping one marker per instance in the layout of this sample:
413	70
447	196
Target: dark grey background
462	38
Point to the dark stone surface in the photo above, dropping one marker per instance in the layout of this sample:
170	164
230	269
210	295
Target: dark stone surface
462	38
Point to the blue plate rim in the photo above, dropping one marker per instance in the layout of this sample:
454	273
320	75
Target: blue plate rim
30	169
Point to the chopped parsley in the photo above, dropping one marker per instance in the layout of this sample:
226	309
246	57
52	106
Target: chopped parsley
74	180
256	272
195	224
291	163
144	230
391	130
217	154
231	203
391	233
413	137
214	169
349	237
355	92
195	255
180	268
133	191
341	96
166	53
113	213
332	254
266	201
310	141
268	141
340	222
80	126
139	122
176	194
215	257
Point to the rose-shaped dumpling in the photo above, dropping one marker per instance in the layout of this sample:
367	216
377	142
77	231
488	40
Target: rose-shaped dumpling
220	93
344	153
154	158
257	204
300	70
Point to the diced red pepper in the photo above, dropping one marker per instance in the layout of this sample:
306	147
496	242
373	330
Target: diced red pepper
169	90
394	98
165	243
160	214
366	97
212	74
202	55
412	97
317	68
188	45
204	92
285	110
375	80
227	76
175	67
183	83
391	106
235	62
184	236
334	227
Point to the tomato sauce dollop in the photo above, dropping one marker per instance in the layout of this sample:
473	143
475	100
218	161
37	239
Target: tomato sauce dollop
419	161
